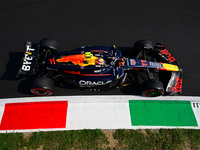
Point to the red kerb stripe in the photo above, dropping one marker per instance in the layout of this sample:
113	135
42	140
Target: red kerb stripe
34	115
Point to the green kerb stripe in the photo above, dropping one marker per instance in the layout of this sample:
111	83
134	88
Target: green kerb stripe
161	113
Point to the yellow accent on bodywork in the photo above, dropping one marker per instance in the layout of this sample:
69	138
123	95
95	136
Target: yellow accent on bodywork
29	53
169	67
126	84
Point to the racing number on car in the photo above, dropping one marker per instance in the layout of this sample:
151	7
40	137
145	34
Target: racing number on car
122	62
52	61
27	59
178	85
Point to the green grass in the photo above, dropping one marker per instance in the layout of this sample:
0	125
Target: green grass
83	139
94	139
12	141
158	139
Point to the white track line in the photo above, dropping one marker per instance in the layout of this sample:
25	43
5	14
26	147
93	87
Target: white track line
97	98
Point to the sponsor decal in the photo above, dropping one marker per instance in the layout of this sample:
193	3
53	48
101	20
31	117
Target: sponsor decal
156	65
122	62
178	86
144	62
27	58
93	83
97	71
99	51
98	66
133	62
97	55
72	72
79	59
168	55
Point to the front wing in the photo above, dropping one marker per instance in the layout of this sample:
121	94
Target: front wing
174	85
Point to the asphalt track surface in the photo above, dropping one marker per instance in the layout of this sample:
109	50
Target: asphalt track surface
74	23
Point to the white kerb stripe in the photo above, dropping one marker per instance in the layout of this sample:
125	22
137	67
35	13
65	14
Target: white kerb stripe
98	115
196	109
2	106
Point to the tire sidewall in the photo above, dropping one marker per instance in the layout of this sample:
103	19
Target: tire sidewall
154	86
49	44
44	83
143	44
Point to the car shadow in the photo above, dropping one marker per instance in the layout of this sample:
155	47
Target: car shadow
131	89
13	66
132	84
12	72
24	86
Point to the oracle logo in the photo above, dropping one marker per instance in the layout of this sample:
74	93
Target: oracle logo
93	83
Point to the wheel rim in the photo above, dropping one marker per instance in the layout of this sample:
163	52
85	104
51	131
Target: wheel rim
41	91
152	93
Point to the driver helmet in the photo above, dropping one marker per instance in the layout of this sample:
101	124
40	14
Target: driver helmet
100	61
88	54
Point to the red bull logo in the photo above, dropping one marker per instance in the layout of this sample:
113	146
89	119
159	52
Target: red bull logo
75	59
80	59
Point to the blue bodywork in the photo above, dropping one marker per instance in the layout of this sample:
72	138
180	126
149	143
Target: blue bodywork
111	74
91	75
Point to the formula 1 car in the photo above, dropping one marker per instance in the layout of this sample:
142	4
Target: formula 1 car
102	68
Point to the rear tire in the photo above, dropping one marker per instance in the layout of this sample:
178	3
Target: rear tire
47	47
152	88
42	86
48	43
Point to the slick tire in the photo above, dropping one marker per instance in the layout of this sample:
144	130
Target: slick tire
42	86
152	88
143	45
48	43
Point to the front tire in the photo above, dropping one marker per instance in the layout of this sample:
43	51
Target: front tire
141	48
143	45
152	88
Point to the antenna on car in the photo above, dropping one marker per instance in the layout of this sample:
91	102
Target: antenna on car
113	47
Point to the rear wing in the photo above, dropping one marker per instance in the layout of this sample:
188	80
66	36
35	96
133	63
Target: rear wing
29	60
